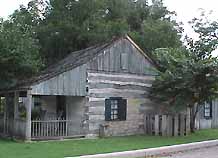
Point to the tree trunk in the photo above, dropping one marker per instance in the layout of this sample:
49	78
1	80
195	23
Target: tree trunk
192	121
193	114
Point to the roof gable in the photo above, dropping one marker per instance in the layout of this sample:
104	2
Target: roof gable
123	55
140	50
78	58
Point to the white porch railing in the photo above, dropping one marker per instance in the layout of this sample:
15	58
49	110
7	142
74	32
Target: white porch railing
40	129
49	128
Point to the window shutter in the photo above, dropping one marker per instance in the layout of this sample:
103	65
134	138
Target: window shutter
122	109
211	108
107	110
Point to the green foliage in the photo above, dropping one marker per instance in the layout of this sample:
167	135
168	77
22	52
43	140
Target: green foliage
73	25
184	81
208	36
19	47
157	34
188	77
44	32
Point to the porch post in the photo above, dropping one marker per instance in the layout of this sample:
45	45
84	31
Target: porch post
28	115
16	100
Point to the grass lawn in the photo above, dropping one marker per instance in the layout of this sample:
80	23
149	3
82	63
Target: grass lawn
59	149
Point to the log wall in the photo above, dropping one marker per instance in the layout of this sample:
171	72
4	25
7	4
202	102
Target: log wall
134	88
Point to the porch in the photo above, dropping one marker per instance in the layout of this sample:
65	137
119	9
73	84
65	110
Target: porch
34	117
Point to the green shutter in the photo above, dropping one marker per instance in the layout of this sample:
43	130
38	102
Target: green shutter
122	109
211	109
107	110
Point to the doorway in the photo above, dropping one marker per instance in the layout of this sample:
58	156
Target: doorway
61	107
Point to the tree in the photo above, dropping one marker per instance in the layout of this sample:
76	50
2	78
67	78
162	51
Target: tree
43	33
207	31
188	76
73	25
19	50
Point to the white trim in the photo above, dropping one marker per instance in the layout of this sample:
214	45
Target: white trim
120	83
96	99
113	90
152	78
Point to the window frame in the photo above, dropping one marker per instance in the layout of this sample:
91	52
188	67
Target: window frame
114	113
2	102
124	61
208	109
114	109
38	102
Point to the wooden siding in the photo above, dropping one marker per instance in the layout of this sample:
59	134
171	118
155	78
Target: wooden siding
75	113
122	56
215	114
70	83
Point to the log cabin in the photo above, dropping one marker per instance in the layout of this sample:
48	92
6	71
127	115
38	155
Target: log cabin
104	86
98	91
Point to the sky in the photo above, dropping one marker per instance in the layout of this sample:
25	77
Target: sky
8	6
185	9
188	9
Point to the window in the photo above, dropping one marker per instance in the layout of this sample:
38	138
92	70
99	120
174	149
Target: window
2	103
115	109
124	61
208	110
37	102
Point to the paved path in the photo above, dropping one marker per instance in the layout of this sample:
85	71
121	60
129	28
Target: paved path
201	153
